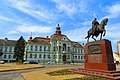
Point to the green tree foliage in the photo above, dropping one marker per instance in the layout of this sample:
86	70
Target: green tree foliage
1	53
19	50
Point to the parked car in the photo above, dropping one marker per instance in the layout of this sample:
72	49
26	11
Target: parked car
26	62
2	62
30	62
33	62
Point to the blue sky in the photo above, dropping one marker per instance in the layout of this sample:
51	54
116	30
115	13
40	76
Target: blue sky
21	17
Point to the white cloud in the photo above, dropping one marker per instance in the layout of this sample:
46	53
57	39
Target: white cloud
31	28
114	10
12	32
37	29
78	34
113	31
71	7
38	12
4	18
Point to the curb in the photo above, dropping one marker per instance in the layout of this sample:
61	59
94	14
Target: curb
21	69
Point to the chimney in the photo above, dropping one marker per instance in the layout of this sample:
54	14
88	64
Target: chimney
47	36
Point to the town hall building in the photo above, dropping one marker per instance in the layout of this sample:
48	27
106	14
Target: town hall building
58	48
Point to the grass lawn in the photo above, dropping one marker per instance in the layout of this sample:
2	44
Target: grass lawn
60	72
7	67
43	75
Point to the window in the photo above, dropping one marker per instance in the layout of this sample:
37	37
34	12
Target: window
68	57
9	56
54	49
10	49
44	56
40	48
31	48
5	49
35	56
48	48
81	57
75	57
81	51
30	55
78	57
68	49
59	56
78	50
48	56
1	49
53	56
44	48
39	55
60	47
4	56
36	48
64	47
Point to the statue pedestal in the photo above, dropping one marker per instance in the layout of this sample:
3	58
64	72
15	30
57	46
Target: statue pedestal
99	55
99	61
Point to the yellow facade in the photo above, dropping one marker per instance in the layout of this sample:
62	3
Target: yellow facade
116	57
119	47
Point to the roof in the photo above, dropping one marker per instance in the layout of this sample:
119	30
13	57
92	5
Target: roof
8	42
46	40
76	44
42	40
57	37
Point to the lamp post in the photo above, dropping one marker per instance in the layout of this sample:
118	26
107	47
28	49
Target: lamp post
44	56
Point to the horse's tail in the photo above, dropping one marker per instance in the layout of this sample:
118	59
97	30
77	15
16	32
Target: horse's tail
86	37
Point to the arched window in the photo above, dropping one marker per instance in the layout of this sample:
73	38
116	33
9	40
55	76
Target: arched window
64	47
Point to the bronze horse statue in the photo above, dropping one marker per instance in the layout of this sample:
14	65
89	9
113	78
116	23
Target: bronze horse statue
100	29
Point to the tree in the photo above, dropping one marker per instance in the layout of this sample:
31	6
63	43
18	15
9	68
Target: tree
19	50
1	53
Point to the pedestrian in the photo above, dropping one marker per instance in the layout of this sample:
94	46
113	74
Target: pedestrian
117	62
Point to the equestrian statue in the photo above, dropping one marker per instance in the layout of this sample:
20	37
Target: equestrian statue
97	29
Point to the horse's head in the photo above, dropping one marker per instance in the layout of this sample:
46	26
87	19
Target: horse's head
104	21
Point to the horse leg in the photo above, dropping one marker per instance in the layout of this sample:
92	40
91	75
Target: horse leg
104	32
101	36
88	36
93	37
88	39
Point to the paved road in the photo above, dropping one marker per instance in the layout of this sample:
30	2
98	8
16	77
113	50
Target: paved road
16	75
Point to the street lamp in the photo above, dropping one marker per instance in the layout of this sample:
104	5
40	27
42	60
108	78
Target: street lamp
44	56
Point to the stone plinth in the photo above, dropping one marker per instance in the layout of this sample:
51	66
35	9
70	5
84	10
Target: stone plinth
99	56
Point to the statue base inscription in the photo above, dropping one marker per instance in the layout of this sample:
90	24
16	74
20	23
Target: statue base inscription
99	55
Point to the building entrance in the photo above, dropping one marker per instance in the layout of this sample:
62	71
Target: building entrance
64	59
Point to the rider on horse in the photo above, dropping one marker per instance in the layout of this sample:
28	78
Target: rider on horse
95	23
